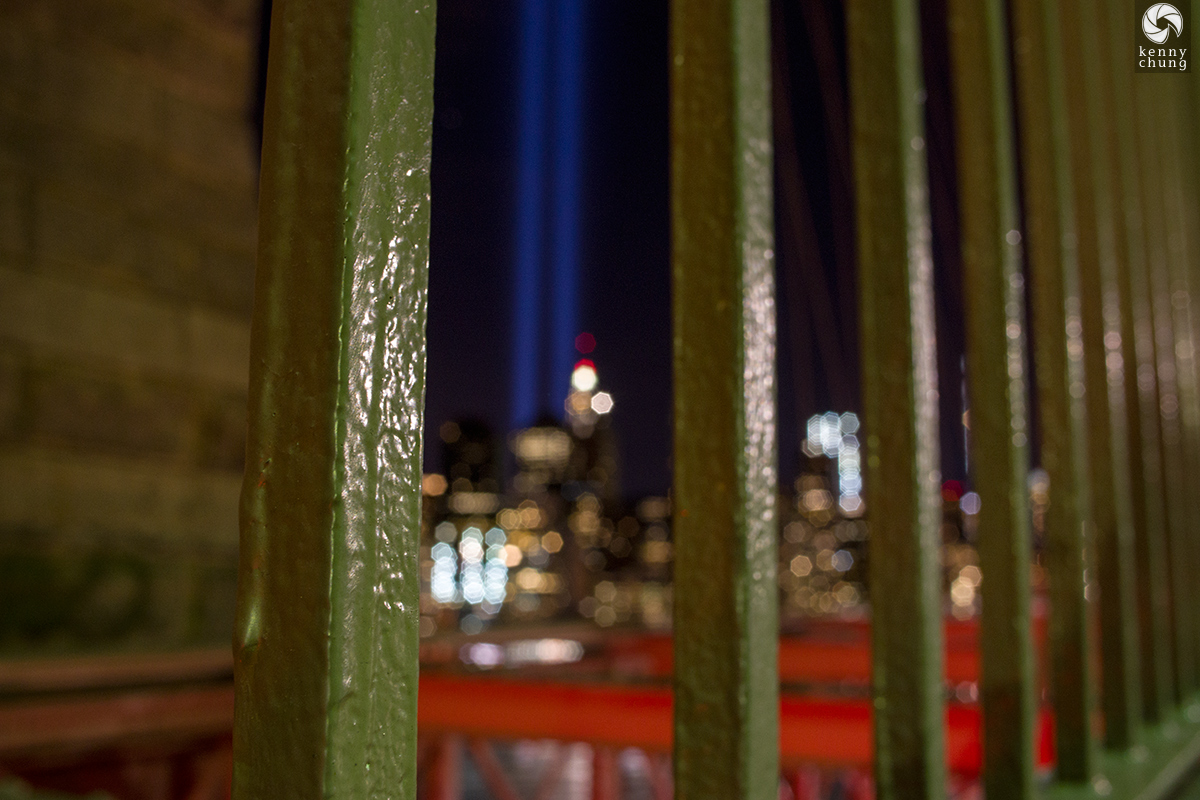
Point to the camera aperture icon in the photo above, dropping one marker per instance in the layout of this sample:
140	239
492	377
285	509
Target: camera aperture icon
1159	20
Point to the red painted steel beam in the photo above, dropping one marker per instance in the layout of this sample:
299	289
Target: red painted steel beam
492	771
800	660
835	653
810	730
497	708
32	727
826	731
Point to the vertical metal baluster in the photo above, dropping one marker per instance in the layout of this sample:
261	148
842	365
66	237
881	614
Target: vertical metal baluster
899	396
1181	249
1187	172
1090	121
1180	241
326	642
994	291
1057	330
1148	95
726	634
1141	386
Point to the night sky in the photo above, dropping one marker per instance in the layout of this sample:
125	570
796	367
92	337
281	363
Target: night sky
625	258
625	235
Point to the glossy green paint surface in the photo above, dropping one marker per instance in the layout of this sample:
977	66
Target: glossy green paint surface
326	641
994	292
726	606
899	396
1098	225
1141	390
1057	331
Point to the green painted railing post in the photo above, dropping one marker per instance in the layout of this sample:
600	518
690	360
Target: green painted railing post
1100	232
1148	91
326	642
994	292
1141	387
899	396
1057	334
1175	159
726	606
1185	176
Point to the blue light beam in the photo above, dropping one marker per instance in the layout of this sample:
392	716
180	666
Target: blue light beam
530	207
567	195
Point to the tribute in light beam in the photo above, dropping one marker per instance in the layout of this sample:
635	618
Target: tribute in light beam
530	219
546	284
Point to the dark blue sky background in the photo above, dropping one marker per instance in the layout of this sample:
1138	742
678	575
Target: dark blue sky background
624	255
625	234
625	280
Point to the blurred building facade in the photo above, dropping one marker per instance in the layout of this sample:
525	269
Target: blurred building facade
127	239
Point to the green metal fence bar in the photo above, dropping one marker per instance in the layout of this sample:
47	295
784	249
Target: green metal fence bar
899	395
1141	386
1174	157
726	635
1057	330
994	292
326	643
1188	170
1090	114
1148	90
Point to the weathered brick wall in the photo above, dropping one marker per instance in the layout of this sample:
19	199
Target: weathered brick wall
127	235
